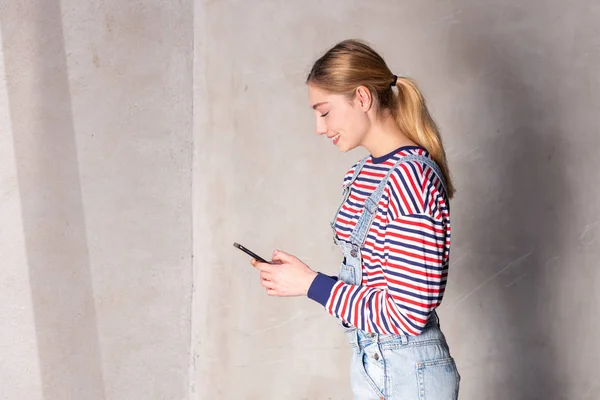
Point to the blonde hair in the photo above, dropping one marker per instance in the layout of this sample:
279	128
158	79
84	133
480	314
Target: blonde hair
352	63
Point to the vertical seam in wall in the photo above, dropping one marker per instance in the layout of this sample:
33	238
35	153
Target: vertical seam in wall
191	371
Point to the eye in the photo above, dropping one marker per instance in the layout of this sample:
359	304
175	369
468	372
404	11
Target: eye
324	115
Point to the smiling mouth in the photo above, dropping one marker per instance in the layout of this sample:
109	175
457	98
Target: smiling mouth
336	139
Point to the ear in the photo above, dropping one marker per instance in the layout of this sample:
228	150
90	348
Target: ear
364	98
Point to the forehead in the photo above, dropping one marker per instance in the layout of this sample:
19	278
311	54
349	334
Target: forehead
317	95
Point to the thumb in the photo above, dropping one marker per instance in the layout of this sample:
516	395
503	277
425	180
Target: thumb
282	256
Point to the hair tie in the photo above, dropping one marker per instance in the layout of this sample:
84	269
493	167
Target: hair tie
395	81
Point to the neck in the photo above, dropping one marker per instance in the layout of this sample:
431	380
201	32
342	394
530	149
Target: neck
384	137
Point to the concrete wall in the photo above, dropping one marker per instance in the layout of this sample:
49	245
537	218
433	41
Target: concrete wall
103	104
95	143
515	87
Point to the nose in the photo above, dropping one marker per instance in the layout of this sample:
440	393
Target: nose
321	126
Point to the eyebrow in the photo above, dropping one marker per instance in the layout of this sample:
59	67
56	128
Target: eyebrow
318	104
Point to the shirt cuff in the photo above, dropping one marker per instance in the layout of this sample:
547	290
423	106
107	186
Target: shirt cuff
320	289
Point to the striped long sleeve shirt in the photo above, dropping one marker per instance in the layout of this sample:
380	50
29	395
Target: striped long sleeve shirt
405	254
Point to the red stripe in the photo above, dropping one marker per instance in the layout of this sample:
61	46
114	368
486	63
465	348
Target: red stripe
421	321
365	186
415	240
391	310
333	299
421	225
403	268
374	174
394	311
413	302
416	192
350	209
420	242
376	309
418	255
357	302
421	289
346	300
393	207
406	327
405	203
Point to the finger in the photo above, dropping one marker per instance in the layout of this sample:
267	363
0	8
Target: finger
266	275
282	256
261	266
273	292
266	283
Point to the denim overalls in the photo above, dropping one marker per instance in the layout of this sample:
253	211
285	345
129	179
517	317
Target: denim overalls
387	366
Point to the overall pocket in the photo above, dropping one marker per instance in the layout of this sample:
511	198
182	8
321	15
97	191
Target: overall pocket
347	274
368	373
438	379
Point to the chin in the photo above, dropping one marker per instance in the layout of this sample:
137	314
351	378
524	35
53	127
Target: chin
343	148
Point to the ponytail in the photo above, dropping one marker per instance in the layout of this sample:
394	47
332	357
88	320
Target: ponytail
416	123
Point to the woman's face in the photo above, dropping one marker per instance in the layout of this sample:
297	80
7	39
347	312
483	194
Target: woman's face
343	121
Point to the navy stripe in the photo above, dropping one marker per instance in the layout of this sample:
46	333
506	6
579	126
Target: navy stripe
353	204
371	314
417	175
375	168
382	315
361	317
399	228
413	311
411	323
425	250
351	304
343	228
382	242
408	192
430	299
383	256
426	200
402	260
369	180
427	218
398	203
350	217
390	256
361	192
338	303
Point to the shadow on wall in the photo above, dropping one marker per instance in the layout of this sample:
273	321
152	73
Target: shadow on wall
515	220
51	200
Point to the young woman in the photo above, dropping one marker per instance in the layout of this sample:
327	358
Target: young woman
392	227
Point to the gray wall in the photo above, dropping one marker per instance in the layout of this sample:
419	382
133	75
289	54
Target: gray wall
95	143
103	104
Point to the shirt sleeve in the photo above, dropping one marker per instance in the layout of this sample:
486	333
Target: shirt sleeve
413	258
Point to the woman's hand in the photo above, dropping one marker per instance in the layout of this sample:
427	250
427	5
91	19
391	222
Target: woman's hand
288	277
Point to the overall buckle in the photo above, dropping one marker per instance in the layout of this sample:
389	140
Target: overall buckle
354	251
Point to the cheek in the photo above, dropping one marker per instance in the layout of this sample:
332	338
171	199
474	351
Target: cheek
344	122
354	125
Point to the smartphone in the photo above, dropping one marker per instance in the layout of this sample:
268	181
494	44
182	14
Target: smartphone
250	253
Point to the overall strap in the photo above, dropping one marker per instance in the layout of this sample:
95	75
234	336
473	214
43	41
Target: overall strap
432	164
360	231
346	192
357	170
